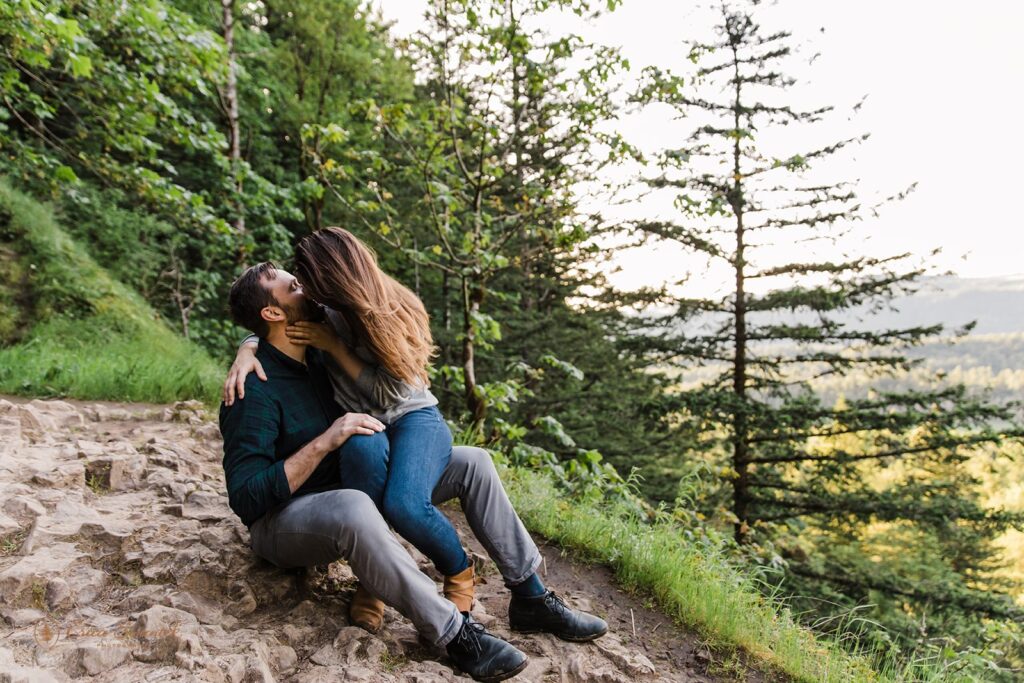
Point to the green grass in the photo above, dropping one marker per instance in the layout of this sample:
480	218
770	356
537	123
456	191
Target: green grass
68	329
702	591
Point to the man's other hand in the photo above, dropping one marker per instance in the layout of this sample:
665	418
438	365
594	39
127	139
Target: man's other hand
350	424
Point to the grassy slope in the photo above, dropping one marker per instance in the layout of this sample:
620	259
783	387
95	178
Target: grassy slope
698	588
68	329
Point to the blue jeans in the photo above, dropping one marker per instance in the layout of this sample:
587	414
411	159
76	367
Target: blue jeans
399	469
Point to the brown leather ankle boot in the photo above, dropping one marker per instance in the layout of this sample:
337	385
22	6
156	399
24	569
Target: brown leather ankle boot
461	588
366	611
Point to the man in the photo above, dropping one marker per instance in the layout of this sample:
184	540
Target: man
287	483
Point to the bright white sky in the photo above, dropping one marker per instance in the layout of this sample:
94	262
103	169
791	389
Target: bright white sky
945	87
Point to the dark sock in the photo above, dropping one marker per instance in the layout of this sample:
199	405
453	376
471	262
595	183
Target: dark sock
533	587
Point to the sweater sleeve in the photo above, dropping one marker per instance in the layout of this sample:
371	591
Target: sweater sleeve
256	480
376	384
381	387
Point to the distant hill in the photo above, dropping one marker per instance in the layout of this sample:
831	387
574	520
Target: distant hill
996	303
990	357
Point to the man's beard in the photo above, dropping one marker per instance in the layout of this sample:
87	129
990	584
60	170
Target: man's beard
306	311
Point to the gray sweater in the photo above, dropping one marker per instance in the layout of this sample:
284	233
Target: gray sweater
376	391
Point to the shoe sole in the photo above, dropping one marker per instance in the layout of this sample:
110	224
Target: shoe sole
502	676
571	639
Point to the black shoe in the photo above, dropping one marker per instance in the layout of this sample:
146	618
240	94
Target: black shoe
483	656
549	614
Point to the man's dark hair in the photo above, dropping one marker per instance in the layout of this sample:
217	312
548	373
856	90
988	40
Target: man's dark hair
249	295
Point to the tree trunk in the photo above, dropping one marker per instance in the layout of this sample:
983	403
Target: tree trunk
234	134
472	296
740	435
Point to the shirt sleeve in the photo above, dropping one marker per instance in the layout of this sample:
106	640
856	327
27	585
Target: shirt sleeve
256	480
248	338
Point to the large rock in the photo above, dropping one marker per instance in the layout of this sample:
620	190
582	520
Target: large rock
116	472
205	506
173	456
19	618
26	581
62	414
279	659
635	663
10	432
583	669
13	672
9	526
205	610
72	519
161	632
92	656
23	508
65	475
81	585
155	538
352	645
35	423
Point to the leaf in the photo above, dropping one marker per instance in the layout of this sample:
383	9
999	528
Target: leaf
81	65
65	174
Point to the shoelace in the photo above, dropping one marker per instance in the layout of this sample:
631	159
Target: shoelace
552	601
469	636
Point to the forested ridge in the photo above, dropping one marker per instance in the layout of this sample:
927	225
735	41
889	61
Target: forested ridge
855	467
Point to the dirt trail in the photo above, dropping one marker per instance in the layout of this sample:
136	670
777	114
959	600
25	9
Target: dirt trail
121	561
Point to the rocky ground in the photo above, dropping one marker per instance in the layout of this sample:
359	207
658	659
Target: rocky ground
121	561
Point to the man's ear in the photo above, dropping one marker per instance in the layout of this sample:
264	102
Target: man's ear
272	314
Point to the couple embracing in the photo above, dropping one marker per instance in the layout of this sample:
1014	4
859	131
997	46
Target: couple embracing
331	436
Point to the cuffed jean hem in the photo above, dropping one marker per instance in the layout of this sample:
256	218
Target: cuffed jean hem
534	565
451	629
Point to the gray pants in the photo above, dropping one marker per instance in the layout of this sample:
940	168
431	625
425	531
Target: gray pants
319	528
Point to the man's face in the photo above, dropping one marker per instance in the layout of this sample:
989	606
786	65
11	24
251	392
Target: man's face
287	291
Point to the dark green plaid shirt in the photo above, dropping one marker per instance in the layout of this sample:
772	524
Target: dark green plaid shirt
274	420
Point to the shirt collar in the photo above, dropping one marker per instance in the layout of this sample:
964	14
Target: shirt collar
281	358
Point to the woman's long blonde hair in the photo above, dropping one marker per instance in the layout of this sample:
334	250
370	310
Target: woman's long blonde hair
337	270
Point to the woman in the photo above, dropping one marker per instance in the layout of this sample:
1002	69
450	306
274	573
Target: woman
378	336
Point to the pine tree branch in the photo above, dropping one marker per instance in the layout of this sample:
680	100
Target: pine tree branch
842	456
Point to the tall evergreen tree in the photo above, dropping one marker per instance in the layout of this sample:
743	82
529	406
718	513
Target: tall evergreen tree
808	319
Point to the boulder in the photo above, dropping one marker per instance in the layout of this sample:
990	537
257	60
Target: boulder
92	656
205	506
352	645
159	633
631	661
26	581
66	475
10	433
23	508
81	585
35	423
206	611
116	472
21	617
62	413
12	672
